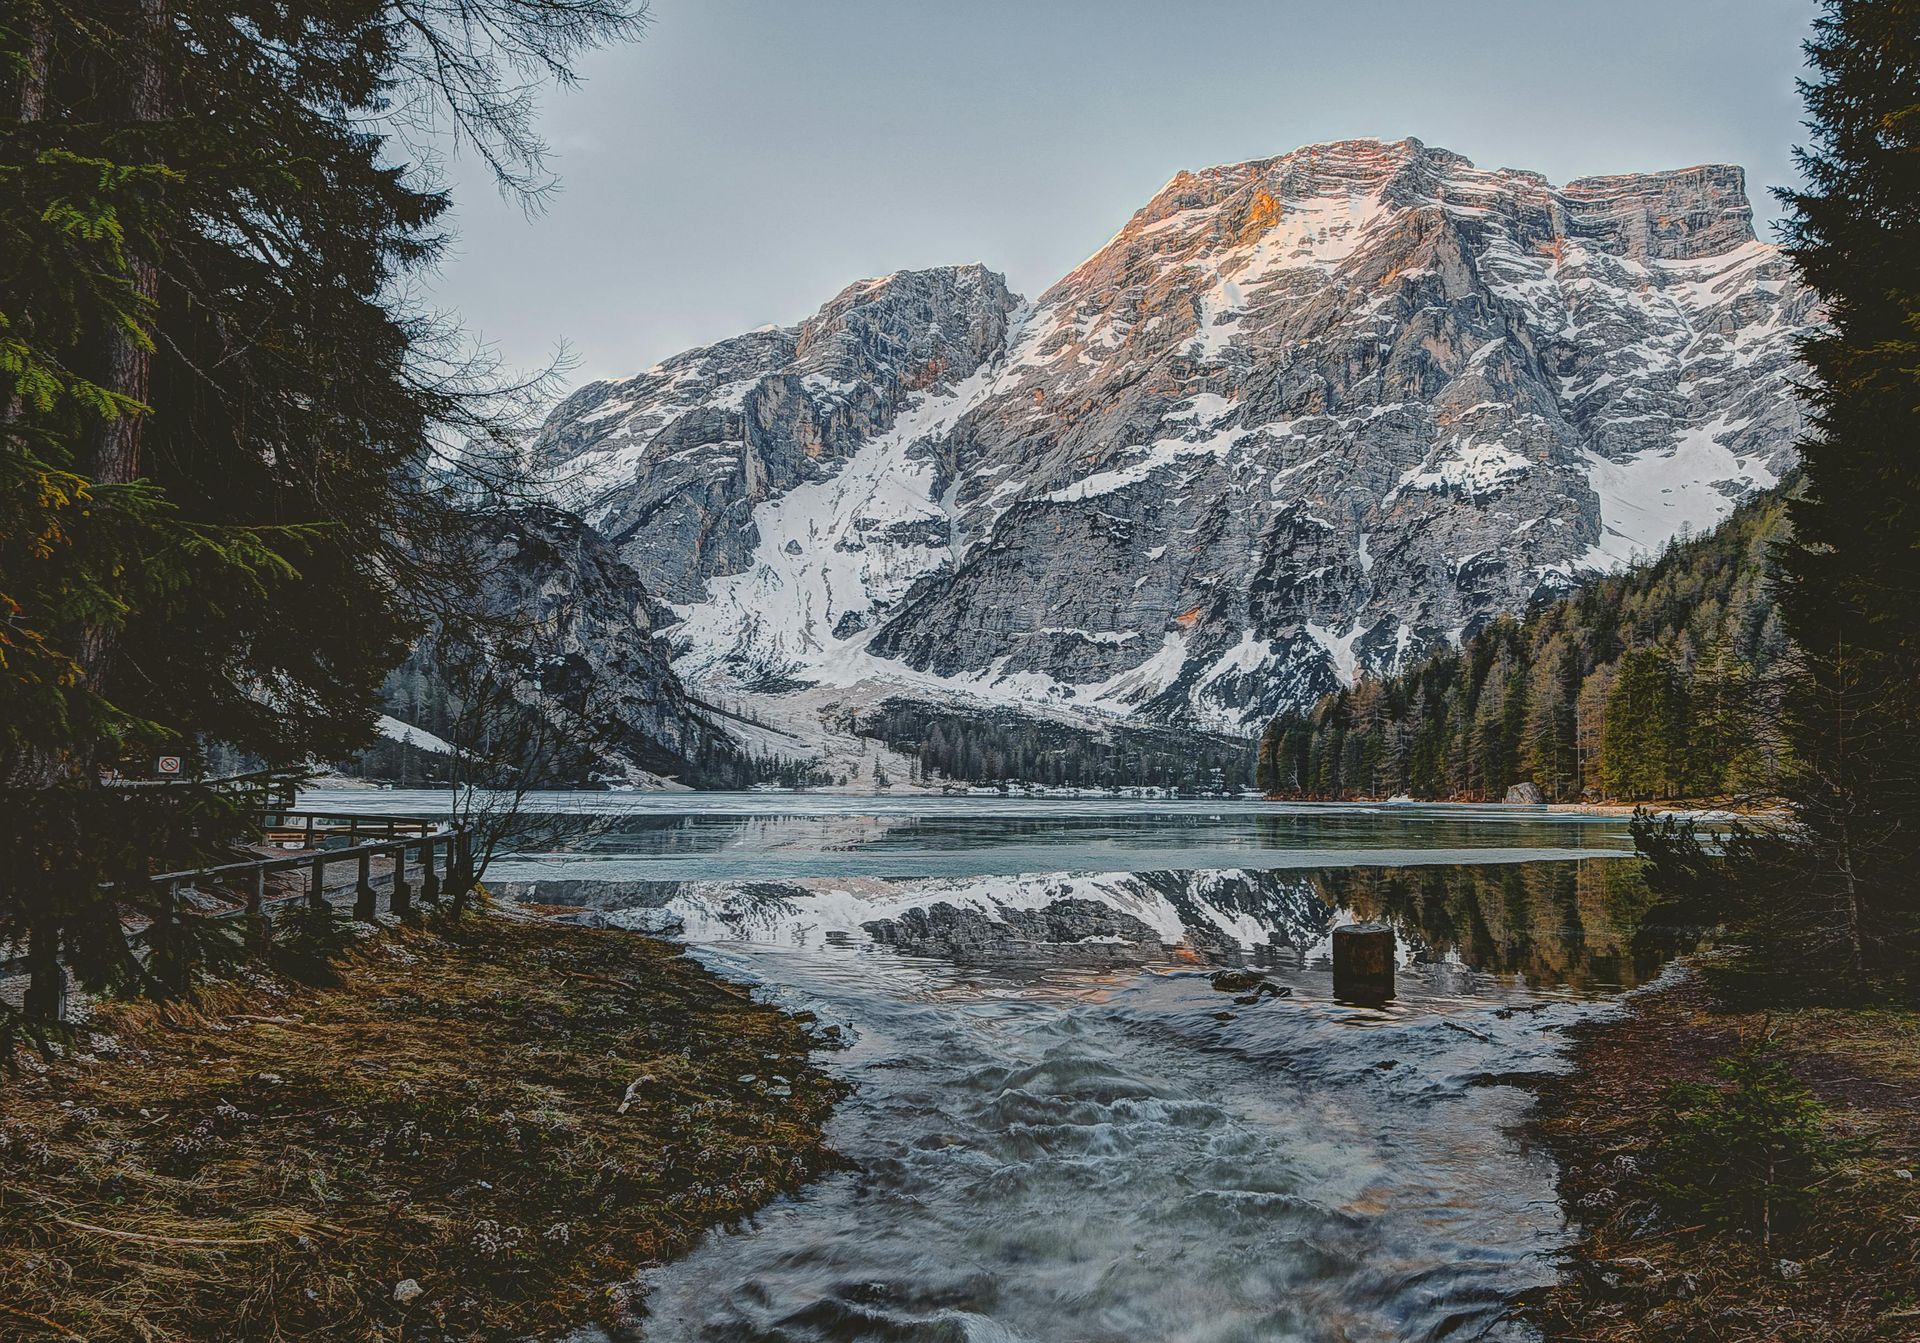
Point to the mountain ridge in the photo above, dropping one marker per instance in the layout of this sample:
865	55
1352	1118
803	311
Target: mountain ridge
1300	418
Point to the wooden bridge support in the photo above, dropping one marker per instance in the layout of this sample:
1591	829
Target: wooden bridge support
461	876
46	997
402	893
429	876
364	906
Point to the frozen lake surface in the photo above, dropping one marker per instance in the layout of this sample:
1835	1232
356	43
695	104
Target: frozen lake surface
764	836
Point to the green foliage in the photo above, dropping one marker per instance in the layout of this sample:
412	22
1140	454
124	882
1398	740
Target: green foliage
1748	1155
1827	906
1642	752
1534	700
225	507
1850	583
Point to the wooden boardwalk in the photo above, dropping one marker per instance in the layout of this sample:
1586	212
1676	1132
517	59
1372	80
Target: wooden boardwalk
313	858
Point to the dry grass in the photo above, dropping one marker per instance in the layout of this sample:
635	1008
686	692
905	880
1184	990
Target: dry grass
1851	1273
514	1115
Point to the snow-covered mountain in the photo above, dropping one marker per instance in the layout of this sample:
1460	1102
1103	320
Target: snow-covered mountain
1300	418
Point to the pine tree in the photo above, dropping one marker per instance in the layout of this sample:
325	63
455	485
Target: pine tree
1547	746
1645	728
1850	590
224	496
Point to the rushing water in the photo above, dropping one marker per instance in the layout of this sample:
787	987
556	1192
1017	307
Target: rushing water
1060	1130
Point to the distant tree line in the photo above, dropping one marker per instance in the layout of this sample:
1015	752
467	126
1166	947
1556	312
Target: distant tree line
1661	682
1004	747
417	693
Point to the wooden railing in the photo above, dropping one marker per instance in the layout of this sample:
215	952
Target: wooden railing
439	854
260	789
442	854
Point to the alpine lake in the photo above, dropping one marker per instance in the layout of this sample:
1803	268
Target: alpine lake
1065	1124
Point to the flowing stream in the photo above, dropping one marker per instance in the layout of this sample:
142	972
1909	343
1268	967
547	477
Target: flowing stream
1060	1128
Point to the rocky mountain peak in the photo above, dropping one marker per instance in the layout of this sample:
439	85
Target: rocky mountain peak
924	327
1681	215
1299	419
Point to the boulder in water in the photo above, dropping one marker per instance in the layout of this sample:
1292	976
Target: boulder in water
1526	794
652	922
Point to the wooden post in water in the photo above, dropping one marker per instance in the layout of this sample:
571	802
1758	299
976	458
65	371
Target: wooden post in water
363	896
1363	961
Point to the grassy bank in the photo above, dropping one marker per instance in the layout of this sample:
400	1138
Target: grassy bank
511	1117
1649	1269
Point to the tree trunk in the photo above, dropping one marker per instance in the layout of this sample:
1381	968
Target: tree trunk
45	1002
126	367
33	76
129	364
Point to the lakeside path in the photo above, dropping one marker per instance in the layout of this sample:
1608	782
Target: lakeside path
479	1128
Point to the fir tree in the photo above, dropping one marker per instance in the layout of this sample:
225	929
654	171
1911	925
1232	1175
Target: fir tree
1645	736
1850	592
227	498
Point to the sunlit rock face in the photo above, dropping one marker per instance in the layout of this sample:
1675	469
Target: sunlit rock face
1301	418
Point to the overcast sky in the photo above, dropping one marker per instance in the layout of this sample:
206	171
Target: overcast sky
749	158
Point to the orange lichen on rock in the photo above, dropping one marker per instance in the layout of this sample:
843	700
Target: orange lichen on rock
1262	214
928	373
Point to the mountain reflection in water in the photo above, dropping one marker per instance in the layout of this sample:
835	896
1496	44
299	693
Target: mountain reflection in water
1567	926
1059	1131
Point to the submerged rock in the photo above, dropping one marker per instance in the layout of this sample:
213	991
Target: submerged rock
652	922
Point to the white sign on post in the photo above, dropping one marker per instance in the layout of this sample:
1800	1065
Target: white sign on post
169	764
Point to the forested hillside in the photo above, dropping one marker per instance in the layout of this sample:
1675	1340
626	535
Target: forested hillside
1001	747
553	673
1660	682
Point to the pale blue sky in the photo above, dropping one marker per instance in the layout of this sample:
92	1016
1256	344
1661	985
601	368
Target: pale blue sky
749	158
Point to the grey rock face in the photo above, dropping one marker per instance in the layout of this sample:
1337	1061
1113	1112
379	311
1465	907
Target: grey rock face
604	675
1073	930
672	462
1302	418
